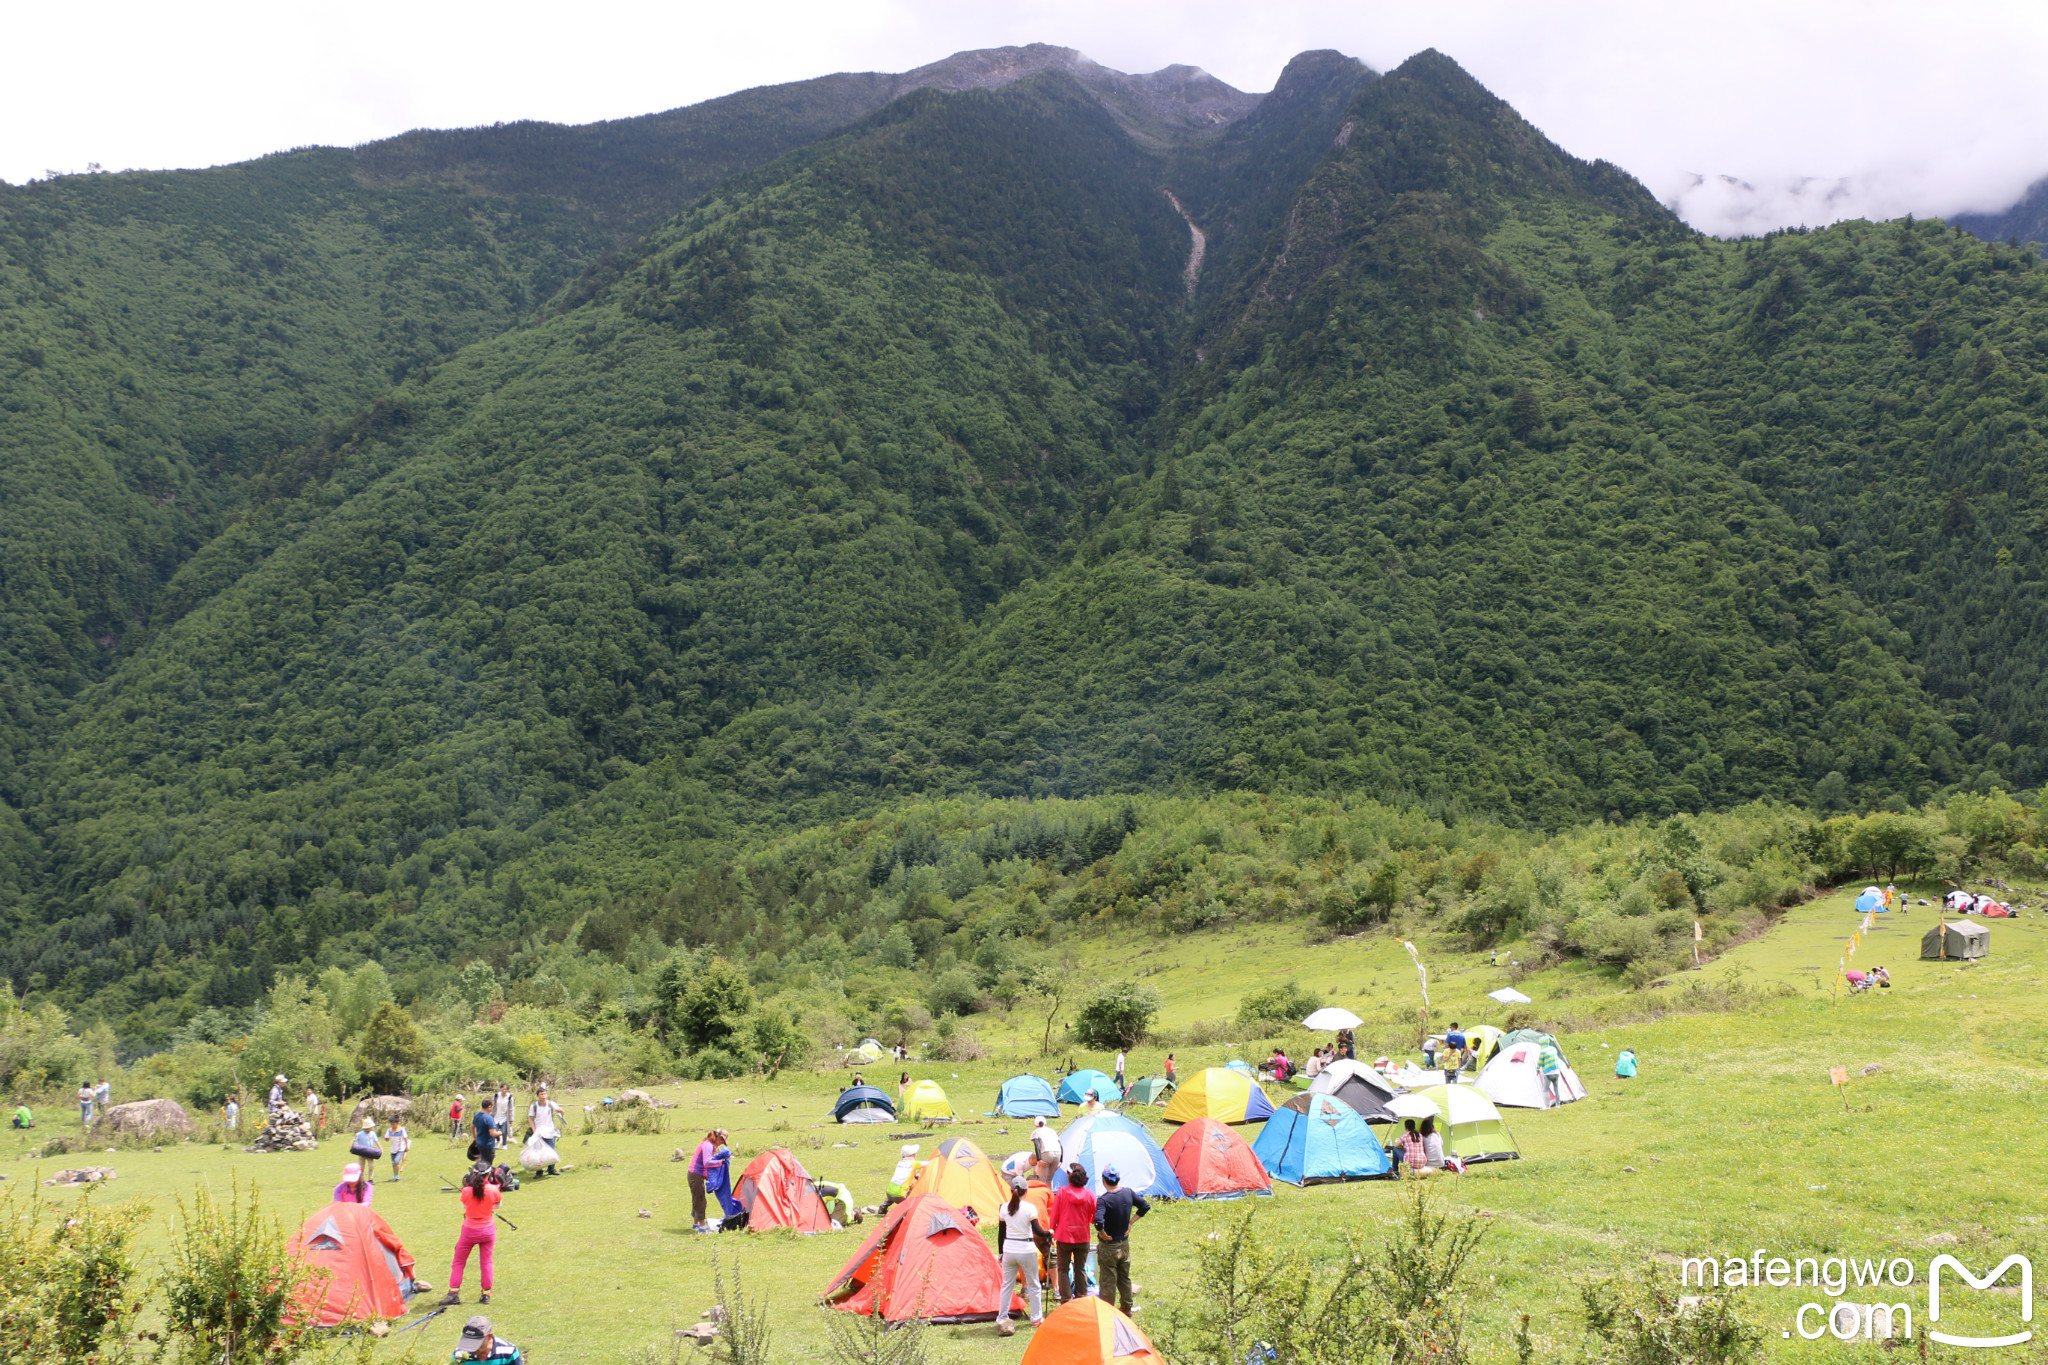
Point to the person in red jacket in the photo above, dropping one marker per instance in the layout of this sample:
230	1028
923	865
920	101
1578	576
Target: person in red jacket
1073	1223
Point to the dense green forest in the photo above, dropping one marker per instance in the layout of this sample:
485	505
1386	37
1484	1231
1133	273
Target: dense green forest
411	558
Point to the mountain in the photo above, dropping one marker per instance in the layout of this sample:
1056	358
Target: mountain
2025	221
1043	431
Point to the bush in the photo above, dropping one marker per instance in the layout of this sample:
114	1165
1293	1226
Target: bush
954	991
64	1282
1288	1003
229	1285
1641	1321
716	1064
391	1049
1118	1017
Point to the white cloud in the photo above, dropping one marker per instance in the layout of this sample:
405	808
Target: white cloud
1831	109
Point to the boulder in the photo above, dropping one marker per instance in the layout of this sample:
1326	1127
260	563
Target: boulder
382	1108
147	1119
83	1175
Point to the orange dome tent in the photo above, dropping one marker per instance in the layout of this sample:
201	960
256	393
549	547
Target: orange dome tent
1089	1331
779	1193
361	1269
1213	1162
961	1174
926	1261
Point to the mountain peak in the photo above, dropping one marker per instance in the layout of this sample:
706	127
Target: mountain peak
1152	105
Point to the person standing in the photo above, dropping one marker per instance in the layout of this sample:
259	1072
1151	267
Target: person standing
700	1170
455	1120
501	1107
1073	1219
1454	1040
231	1114
902	1090
103	1095
1172	1070
277	1093
1017	1238
400	1142
488	1134
313	1111
544	1121
84	1105
1045	1146
1120	1070
1114	1213
364	1145
1550	1064
480	1196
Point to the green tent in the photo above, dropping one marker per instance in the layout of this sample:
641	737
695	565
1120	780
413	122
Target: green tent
1149	1090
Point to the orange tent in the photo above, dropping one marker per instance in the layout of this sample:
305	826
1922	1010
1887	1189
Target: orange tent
1213	1162
961	1174
778	1192
1089	1331
360	1268
925	1261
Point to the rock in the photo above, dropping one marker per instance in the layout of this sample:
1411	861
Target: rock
1939	1239
380	1328
739	1101
1872	1069
82	1175
146	1118
287	1131
627	1097
698	1332
715	1313
679	1155
382	1108
647	1213
1630	1169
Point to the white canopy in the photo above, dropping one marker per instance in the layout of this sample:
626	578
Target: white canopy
1330	1018
1508	995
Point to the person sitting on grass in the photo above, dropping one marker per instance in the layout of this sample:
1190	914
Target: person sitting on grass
1414	1155
23	1118
1432	1145
479	1342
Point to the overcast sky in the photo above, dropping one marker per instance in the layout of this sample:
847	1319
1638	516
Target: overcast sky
1826	109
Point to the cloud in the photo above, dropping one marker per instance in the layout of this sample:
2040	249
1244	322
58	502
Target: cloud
1826	109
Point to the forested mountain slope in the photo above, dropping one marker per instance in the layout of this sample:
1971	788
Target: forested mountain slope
905	464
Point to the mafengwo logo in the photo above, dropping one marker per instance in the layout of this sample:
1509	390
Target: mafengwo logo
1934	1298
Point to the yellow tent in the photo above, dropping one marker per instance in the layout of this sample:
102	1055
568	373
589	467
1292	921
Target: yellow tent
1484	1040
1219	1093
927	1100
961	1174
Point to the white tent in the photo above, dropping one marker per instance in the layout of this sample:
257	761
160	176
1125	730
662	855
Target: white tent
1515	1078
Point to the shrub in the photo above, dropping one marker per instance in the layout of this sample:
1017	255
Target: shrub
391	1048
954	991
229	1284
1640	1321
1288	1003
64	1282
714	1008
1118	1017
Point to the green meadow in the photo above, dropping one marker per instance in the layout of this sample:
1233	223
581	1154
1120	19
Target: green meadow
1731	1140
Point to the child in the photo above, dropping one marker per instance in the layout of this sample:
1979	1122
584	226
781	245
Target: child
364	1147
400	1142
1625	1063
455	1119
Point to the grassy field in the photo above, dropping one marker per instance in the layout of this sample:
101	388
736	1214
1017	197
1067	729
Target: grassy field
1731	1139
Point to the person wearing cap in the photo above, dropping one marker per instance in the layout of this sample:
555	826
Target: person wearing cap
277	1093
480	1195
1114	1213
364	1145
1073	1216
479	1342
455	1120
1018	1233
355	1187
1045	1146
544	1120
1091	1103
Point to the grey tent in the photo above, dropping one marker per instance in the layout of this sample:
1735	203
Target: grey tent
1963	940
1359	1086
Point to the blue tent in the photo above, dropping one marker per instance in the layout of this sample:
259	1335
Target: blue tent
1871	899
1113	1140
1074	1089
863	1104
1242	1067
1316	1137
1026	1096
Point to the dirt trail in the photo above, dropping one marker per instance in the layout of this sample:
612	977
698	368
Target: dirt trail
1198	245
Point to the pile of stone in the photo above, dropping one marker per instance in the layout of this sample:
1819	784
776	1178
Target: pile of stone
147	1119
287	1131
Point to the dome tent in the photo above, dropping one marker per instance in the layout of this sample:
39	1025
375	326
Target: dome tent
1106	1139
863	1104
1212	1162
1150	1090
1473	1129
777	1192
962	1174
360	1269
1026	1096
1314	1138
1074	1089
1515	1076
867	1054
1089	1331
925	1262
1218	1092
1358	1085
927	1101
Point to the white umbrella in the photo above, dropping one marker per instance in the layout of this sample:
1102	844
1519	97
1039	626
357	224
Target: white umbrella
1329	1019
1508	995
1412	1107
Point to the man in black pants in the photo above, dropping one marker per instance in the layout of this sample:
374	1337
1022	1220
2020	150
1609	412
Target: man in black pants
1113	1214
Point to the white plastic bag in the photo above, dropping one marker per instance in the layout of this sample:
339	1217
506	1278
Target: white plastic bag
538	1153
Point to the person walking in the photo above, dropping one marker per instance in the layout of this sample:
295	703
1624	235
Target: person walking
544	1121
364	1145
1045	1147
1073	1219
355	1186
1120	1070
501	1107
1018	1237
399	1141
1114	1213
699	1172
480	1196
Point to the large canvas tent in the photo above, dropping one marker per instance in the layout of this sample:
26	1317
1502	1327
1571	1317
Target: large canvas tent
1108	1139
962	1174
1958	939
1212	1162
1358	1085
927	1102
1515	1076
1089	1331
1026	1096
777	1192
1473	1129
863	1104
925	1261
1314	1138
1074	1089
361	1271
1217	1092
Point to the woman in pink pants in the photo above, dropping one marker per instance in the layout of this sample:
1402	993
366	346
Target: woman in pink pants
480	1196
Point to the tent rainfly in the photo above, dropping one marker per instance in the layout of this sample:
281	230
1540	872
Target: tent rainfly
927	1102
1358	1085
1026	1096
1074	1089
925	1261
863	1104
1956	939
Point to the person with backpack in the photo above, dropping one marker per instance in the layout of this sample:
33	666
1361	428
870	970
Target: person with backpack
1045	1147
1073	1217
1018	1235
1114	1213
480	1195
